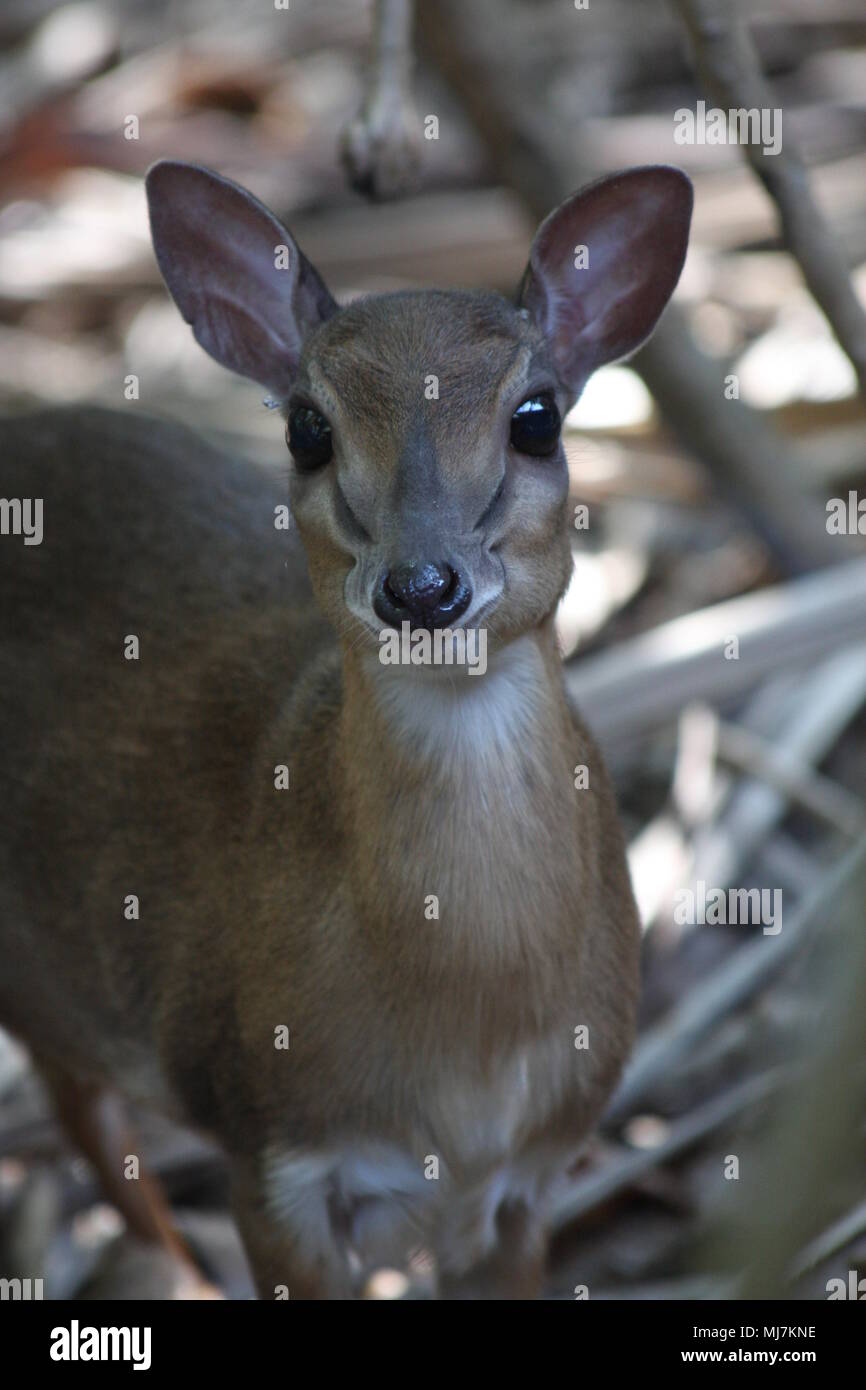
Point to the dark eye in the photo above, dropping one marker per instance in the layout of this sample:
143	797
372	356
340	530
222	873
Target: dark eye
308	436
535	426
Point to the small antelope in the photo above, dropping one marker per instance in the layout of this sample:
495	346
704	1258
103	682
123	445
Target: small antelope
359	920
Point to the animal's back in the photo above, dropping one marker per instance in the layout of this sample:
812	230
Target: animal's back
114	770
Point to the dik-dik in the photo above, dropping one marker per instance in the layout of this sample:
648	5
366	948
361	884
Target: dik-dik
354	919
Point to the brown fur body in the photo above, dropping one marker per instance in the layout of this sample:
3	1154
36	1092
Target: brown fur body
432	1091
260	907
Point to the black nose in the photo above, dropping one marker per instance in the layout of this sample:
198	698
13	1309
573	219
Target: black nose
425	595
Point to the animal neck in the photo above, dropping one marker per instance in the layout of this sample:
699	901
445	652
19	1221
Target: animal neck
461	818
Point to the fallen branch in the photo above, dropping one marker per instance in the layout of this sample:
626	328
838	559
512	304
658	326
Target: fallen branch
663	1048
829	699
534	152
795	780
644	682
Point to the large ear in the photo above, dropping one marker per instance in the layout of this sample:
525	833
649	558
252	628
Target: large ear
234	272
604	264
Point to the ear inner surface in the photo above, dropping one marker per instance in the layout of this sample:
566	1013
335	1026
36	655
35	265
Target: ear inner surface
235	273
603	266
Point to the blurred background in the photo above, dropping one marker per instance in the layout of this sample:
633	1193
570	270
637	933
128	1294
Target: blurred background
715	627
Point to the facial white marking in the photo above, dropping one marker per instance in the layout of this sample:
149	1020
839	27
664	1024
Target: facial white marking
443	713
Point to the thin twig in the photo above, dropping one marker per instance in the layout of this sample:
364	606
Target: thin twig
798	781
632	1164
851	1225
728	64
